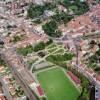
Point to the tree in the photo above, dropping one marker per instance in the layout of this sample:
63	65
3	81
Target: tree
51	29
39	46
92	43
1	43
35	11
62	18
83	98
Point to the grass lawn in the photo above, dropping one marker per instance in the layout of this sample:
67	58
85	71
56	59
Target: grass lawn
60	51
56	85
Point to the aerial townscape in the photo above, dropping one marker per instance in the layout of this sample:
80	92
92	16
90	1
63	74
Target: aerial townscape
49	49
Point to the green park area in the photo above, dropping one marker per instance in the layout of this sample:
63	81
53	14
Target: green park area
56	85
38	10
77	6
29	48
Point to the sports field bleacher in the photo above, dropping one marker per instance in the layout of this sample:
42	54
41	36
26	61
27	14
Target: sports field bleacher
74	78
40	91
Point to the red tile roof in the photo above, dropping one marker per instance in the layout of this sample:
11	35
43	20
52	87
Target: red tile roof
85	23
90	71
2	98
97	77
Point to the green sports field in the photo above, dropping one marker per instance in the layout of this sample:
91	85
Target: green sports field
56	85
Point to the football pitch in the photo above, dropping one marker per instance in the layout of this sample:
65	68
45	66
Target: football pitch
56	85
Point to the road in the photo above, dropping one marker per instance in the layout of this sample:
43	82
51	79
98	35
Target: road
5	89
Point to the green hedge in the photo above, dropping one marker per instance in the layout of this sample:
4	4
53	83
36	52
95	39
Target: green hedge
59	57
